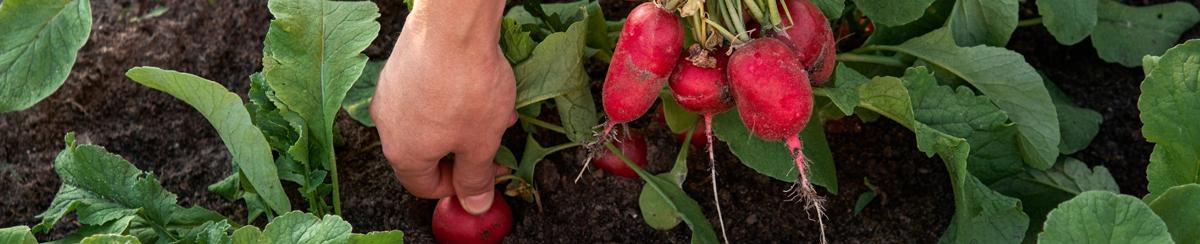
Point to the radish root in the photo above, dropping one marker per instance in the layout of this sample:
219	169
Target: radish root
595	146
713	173
803	189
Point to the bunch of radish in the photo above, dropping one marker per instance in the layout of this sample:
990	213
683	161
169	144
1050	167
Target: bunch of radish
766	71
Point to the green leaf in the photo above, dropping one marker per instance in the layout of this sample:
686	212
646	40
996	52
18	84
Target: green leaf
533	154
1104	217
678	119
38	48
358	99
101	188
685	207
380	237
1042	191
1078	125
773	158
225	111
891	12
566	13
1178	209
960	113
248	235
656	211
1180	212
843	91
1125	34
17	234
554	69
1069	21
935	17
1170	106
110	239
577	110
984	22
981	214
113	227
516	43
299	227
209	232
832	9
863	200
312	56
1005	78
505	157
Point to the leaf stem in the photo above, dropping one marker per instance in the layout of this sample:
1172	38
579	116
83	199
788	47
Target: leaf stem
872	59
561	147
542	123
1029	22
333	176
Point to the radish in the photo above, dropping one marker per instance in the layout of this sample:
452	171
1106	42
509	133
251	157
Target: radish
650	43
809	34
452	223
774	98
633	145
699	83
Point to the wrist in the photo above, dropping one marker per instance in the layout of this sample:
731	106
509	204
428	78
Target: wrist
461	21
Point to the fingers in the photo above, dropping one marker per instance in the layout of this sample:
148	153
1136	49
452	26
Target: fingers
423	178
475	176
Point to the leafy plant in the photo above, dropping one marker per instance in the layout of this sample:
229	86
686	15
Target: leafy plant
38	48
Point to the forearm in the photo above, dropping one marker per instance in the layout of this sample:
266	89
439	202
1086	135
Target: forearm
457	21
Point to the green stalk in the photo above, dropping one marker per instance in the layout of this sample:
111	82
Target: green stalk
755	11
734	12
773	14
872	59
561	147
543	124
337	195
728	35
1030	22
671	5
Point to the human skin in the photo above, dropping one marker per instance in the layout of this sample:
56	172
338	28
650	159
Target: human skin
446	89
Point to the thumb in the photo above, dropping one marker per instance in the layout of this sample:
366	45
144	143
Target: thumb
475	180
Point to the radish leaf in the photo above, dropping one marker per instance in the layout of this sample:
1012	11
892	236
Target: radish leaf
1005	78
358	99
224	110
1041	191
1070	21
38	47
981	214
1177	208
891	12
984	22
1124	34
1104	217
1170	107
17	235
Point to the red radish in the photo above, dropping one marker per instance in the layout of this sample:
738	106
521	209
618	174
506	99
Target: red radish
452	223
633	145
809	34
650	43
699	83
774	99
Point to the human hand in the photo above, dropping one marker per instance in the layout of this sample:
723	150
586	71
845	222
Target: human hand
447	88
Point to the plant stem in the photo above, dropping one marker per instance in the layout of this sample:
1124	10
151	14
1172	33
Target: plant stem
756	12
543	124
873	59
561	147
333	175
728	35
773	15
1030	22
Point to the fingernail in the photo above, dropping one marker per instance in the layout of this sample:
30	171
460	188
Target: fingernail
478	204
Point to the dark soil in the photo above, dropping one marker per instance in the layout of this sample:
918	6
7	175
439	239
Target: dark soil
222	41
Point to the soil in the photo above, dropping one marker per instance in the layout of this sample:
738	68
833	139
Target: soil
222	41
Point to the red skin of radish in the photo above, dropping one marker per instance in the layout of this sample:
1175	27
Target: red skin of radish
650	43
771	89
633	146
453	224
812	38
699	89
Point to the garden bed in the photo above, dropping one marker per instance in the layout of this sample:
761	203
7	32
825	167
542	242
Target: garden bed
222	41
